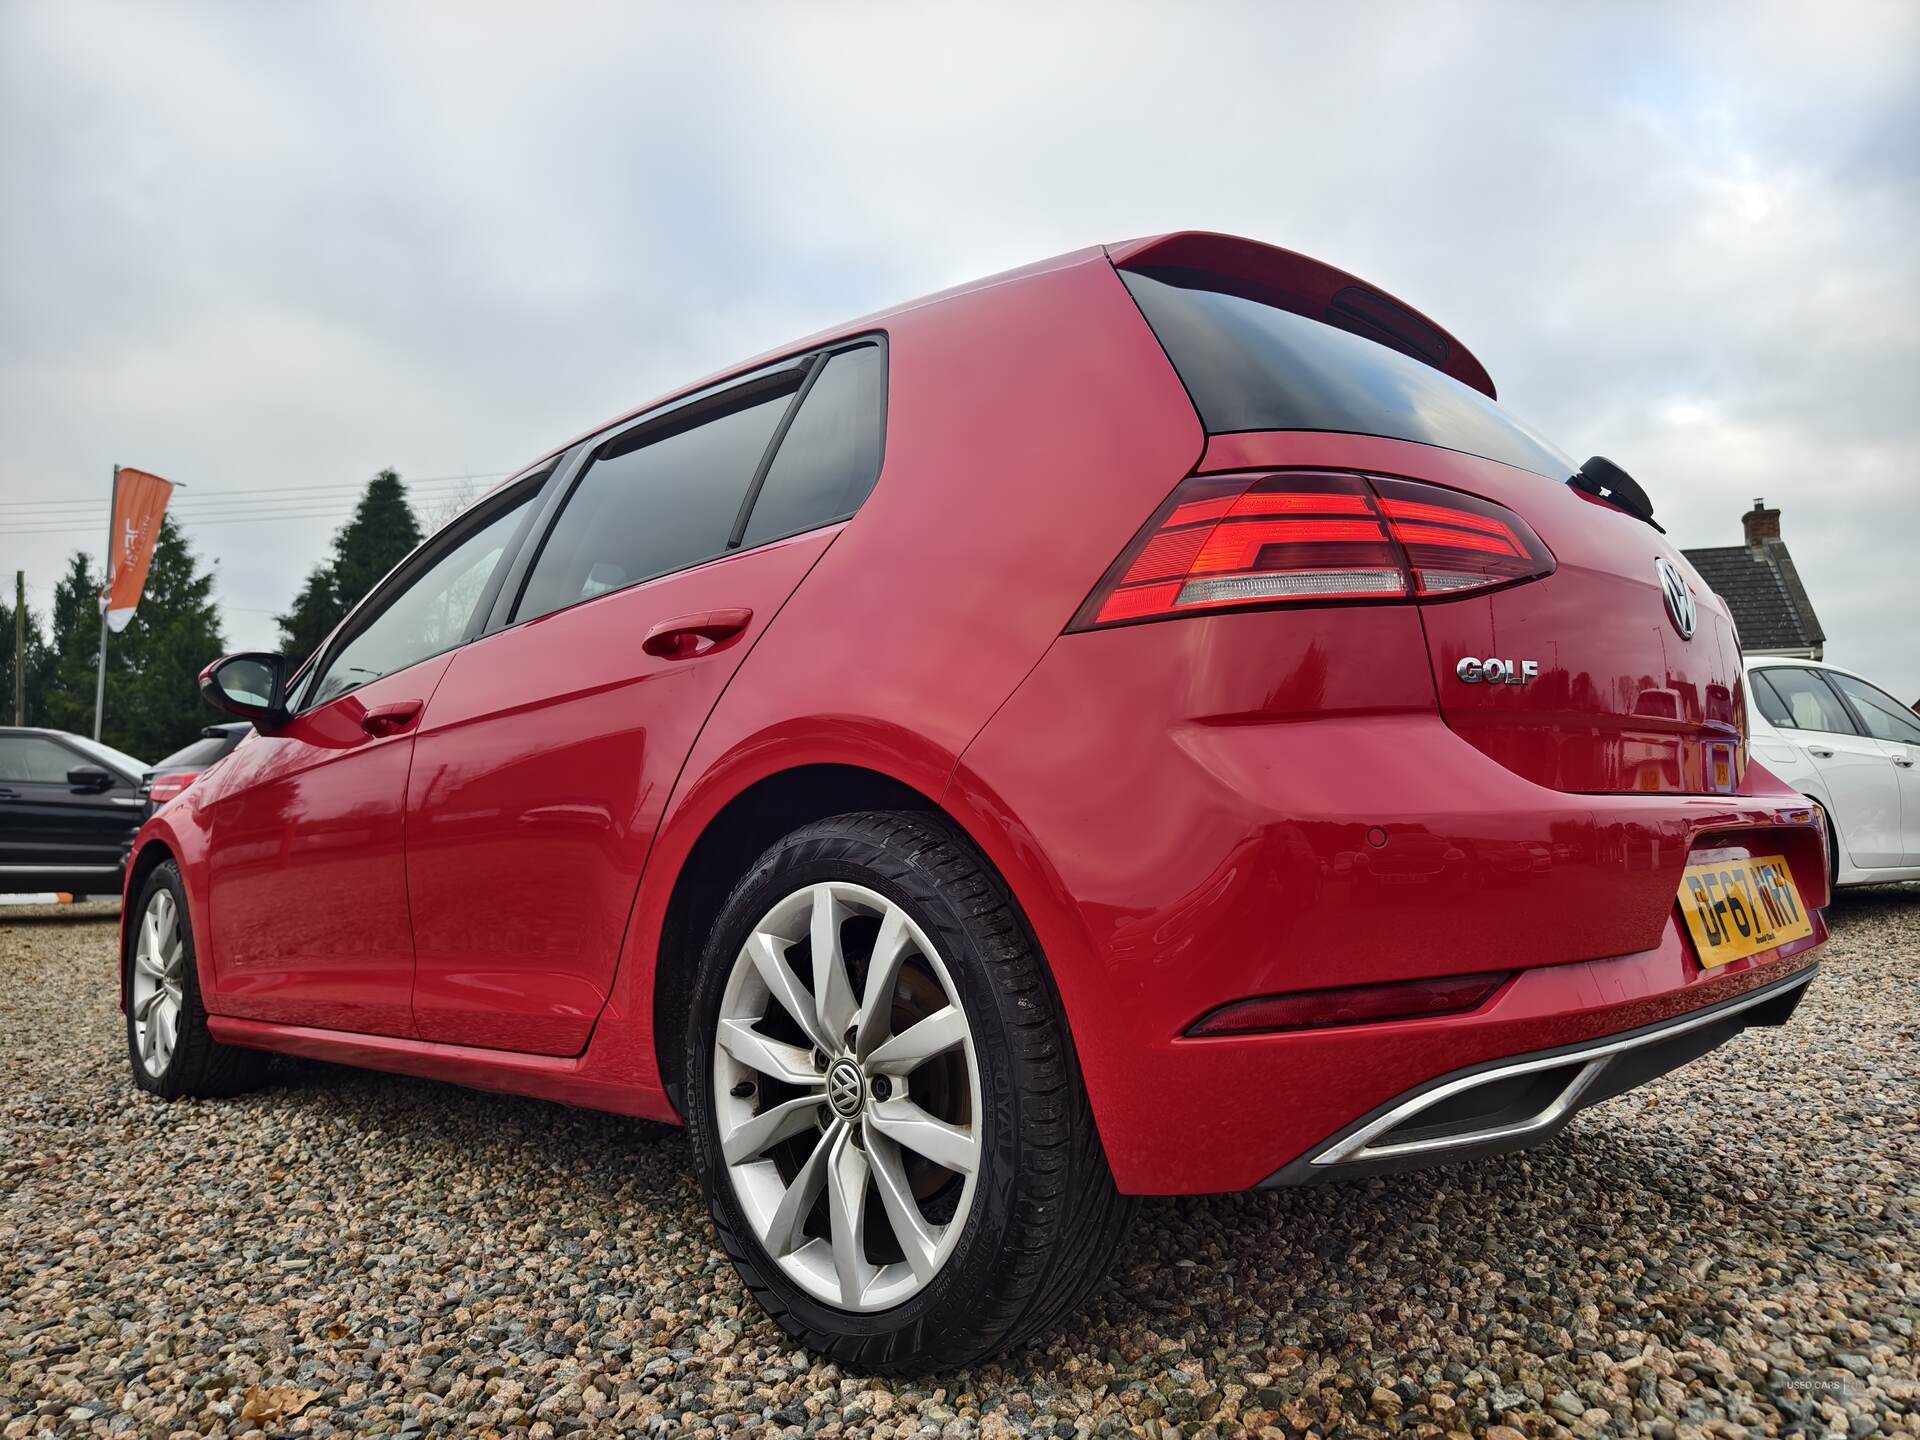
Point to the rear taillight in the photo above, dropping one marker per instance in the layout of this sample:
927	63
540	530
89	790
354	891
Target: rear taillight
165	787
1297	537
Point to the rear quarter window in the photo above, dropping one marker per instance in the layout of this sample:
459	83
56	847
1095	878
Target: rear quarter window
1251	366
829	458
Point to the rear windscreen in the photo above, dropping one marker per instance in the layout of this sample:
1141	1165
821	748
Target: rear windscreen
201	752
1250	366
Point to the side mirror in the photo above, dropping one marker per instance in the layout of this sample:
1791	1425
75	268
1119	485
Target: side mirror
90	779
249	685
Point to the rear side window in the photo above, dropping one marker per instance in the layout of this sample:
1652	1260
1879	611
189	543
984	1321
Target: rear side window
34	760
666	504
203	751
1769	701
1811	704
1885	717
829	458
1250	366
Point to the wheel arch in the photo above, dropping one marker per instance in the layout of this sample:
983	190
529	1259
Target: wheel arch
738	834
1836	852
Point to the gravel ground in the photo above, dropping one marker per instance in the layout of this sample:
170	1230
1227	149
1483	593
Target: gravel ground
1733	1249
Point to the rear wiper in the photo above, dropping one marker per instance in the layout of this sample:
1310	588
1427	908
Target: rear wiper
1601	478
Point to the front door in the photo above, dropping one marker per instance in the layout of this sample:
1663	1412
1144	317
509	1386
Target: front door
307	885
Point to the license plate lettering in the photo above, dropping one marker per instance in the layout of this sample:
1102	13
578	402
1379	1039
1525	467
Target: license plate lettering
1738	907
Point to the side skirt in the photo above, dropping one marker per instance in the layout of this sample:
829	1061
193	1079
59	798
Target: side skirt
543	1077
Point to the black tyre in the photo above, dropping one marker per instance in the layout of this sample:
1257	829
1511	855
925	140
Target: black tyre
168	1043
886	1109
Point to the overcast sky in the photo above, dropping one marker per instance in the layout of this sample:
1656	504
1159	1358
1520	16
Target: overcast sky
274	248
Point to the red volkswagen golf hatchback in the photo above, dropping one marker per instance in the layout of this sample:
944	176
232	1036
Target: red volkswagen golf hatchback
1143	724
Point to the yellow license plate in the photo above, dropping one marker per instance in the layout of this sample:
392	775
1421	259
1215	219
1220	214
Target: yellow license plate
1741	906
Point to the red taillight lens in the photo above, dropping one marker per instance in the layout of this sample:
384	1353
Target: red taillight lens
1458	542
1351	1005
165	787
1239	540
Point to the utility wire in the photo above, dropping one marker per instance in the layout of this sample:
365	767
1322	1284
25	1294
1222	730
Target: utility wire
354	487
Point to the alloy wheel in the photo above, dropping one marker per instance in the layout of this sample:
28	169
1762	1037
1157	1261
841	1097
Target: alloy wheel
847	1096
159	965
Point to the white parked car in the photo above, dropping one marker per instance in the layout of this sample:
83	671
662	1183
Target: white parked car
1853	750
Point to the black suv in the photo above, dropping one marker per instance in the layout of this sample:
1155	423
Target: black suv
69	808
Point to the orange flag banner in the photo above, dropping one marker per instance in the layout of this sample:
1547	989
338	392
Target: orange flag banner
139	501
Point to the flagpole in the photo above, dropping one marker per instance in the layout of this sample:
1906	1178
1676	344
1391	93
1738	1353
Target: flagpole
100	685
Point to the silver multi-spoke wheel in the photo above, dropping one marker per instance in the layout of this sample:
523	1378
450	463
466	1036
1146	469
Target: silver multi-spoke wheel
159	967
847	1096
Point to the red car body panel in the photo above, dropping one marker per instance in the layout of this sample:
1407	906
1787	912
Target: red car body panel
538	782
1623	703
305	918
1244	799
1189	812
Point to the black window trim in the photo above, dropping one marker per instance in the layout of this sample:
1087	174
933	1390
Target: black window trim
712	402
424	557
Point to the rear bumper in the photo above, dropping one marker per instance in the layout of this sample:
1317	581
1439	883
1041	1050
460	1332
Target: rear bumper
1186	829
1514	1103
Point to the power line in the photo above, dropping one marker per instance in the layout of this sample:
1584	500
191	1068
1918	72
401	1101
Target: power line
72	502
79	528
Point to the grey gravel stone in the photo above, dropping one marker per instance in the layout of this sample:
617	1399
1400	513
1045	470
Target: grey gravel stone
1733	1250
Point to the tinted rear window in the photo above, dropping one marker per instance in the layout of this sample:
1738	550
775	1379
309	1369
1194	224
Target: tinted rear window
664	506
201	752
1250	366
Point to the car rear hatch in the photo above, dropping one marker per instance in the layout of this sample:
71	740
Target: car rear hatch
1569	639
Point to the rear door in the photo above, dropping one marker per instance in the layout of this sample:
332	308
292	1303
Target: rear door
1859	775
549	750
1898	731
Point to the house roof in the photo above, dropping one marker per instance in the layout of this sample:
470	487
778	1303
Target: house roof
1762	588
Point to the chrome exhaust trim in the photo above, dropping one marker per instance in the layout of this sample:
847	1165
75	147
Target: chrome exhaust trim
1372	1142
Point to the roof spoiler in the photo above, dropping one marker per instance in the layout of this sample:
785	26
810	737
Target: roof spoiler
1305	286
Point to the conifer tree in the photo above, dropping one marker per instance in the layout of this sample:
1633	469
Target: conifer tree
382	533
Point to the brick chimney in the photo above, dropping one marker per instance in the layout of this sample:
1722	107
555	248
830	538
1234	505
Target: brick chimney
1761	523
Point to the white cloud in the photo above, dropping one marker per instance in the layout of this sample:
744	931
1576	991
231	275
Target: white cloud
284	245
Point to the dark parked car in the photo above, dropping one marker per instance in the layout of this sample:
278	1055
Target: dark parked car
69	808
170	776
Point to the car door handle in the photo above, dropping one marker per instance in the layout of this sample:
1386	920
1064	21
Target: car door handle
6	794
679	638
1818	753
1905	762
384	720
